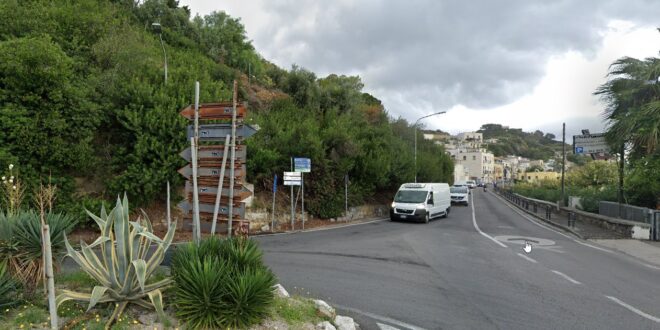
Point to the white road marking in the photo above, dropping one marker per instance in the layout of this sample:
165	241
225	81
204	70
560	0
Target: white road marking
474	222
527	258
634	310
566	277
386	327
651	266
528	218
380	318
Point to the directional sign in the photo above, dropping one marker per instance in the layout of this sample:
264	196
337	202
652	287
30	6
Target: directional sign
209	172
302	165
240	189
590	144
209	111
213	152
208	208
218	132
292	178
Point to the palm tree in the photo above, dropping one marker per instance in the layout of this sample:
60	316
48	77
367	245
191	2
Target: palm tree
633	104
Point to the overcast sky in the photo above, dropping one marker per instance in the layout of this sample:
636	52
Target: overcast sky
526	64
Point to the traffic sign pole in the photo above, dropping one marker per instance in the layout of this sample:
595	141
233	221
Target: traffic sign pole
196	224
272	220
233	159
218	195
292	214
302	209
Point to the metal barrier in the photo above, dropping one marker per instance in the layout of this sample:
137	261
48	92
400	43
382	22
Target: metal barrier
655	226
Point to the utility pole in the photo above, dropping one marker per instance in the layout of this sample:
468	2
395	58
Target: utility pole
621	164
563	161
415	125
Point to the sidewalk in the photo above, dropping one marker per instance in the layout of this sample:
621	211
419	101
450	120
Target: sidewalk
648	251
581	229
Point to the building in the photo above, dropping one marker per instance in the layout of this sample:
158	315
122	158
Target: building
471	139
478	163
460	174
540	176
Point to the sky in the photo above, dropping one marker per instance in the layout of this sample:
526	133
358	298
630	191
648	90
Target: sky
529	64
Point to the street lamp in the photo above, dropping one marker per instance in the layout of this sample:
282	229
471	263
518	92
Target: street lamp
158	29
416	122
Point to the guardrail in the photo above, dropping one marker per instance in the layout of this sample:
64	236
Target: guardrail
555	213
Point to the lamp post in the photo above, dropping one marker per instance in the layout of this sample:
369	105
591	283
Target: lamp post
416	122
158	29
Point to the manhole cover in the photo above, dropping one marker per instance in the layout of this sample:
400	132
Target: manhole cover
522	239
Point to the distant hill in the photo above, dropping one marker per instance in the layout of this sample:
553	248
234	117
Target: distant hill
513	141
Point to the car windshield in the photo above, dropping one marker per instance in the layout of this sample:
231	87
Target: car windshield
410	196
458	190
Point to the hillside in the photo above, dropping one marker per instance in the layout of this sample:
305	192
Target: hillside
84	103
513	141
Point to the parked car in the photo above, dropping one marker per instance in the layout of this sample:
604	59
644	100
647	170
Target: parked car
421	202
460	194
471	184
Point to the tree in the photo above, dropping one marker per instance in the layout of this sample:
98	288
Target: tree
632	101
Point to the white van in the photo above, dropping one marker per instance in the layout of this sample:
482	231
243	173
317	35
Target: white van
421	202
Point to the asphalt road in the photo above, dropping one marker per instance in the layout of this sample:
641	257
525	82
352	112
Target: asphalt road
450	275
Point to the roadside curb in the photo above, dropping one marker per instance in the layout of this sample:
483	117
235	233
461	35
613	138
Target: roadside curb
554	224
337	226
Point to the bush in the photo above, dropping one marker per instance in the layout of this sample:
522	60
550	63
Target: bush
21	246
221	283
7	287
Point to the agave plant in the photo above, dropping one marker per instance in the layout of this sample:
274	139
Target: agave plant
125	262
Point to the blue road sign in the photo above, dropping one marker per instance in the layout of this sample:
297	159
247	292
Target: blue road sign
275	184
579	150
302	165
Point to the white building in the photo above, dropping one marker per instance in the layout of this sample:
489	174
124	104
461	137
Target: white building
477	162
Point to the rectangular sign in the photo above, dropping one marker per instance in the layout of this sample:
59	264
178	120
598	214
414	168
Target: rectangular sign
208	208
302	165
214	152
291	175
292	182
275	184
219	132
590	144
210	111
212	190
186	171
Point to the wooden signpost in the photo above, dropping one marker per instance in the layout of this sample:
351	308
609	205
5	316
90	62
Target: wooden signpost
216	168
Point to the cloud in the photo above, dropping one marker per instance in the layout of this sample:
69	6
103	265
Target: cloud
424	55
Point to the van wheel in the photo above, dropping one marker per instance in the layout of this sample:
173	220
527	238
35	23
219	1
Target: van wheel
446	212
426	218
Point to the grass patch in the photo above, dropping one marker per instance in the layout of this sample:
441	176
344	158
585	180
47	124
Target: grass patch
78	280
296	311
28	316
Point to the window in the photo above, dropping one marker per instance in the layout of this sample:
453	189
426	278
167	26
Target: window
474	157
464	157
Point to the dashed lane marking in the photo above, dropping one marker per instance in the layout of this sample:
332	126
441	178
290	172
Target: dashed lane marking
568	278
634	310
386	327
527	258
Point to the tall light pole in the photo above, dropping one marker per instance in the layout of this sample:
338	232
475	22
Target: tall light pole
158	29
416	122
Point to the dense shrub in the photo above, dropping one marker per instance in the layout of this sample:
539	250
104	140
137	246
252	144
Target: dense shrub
221	284
7	287
21	245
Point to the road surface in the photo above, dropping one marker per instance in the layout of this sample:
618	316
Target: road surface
468	271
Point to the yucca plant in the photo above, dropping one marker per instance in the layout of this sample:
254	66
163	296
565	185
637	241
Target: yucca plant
124	265
7	287
221	284
21	246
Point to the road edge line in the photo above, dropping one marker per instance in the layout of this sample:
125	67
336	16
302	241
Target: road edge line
476	226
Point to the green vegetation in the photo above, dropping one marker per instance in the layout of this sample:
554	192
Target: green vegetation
83	100
296	311
513	141
125	265
221	284
7	288
21	246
